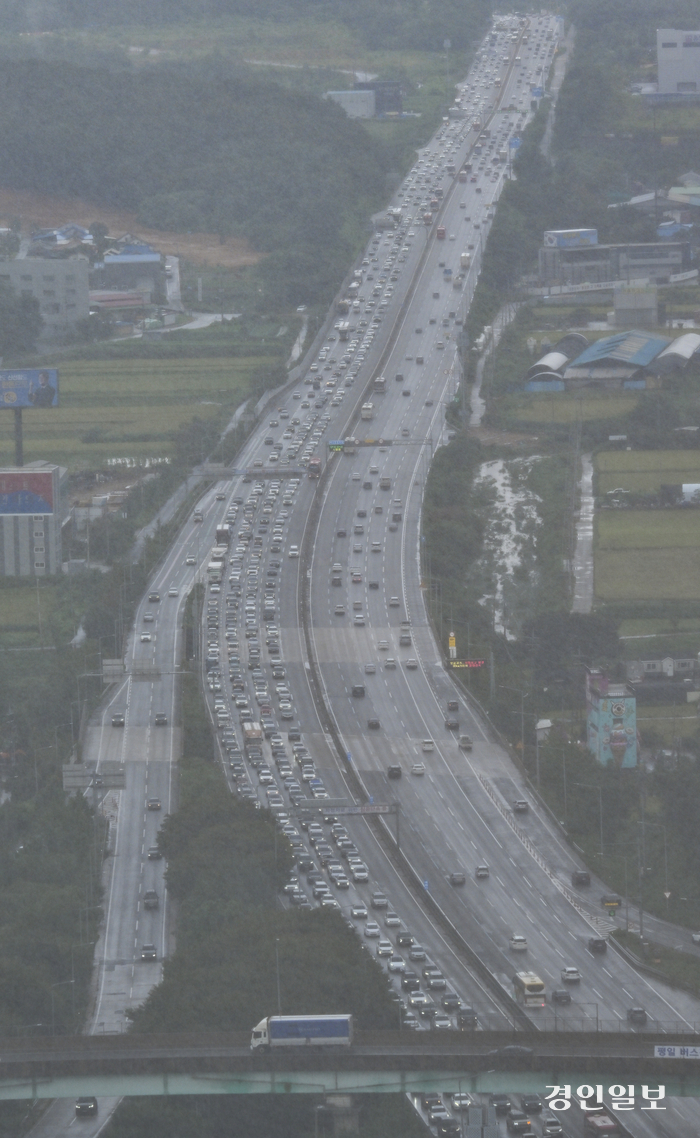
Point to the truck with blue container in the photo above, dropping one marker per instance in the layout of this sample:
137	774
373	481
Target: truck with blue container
275	1032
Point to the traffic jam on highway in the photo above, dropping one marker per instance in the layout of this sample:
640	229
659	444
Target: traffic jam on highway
409	737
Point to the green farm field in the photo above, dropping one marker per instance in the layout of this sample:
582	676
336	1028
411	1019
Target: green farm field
647	555
560	408
129	408
646	471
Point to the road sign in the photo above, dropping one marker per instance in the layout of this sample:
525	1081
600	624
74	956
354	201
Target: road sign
537	92
336	444
467	663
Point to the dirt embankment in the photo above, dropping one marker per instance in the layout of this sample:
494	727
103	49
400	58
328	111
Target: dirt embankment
39	211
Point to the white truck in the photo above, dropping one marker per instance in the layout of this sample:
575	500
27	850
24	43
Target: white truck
275	1032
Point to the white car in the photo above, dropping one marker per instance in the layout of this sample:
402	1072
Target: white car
570	975
518	943
418	769
372	929
293	551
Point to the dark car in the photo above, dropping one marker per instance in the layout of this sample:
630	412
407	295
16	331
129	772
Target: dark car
154	597
150	899
161	720
394	771
501	1103
561	996
410	981
518	1122
580	877
637	1015
117	721
467	1019
531	1104
452	724
358	690
520	806
453	705
429	1098
457	877
85	1105
597	944
373	724
342	533
551	1126
154	853
451	1001
153	804
448	1128
148	952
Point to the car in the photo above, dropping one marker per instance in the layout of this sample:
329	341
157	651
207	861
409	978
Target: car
531	1103
597	944
342	533
373	724
461	1101
153	804
149	952
85	1105
190	560
551	1126
561	996
457	877
150	899
148	618
517	1122
637	1015
154	597
467	1019
520	806
500	1102
411	664
293	551
339	610
173	591
452	724
394	770
372	929
384	948
518	943
580	877
161	720
118	720
394	602
570	975
359	912
379	900
406	392
146	638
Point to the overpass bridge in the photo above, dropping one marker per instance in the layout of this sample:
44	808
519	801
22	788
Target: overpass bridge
378	1062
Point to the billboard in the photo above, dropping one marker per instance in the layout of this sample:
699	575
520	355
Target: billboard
570	238
33	387
26	492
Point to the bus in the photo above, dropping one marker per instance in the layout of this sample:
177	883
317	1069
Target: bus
529	990
314	468
440	233
380	383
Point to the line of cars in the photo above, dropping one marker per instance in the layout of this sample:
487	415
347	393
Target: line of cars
450	1113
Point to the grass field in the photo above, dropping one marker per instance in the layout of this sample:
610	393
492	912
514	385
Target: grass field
670	721
563	408
128	408
646	471
25	614
647	555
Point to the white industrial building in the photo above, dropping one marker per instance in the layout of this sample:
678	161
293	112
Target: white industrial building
678	59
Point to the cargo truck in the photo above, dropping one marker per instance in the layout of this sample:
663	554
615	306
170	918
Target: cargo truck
384	483
367	411
214	572
252	734
380	383
462	176
275	1032
465	260
314	468
223	534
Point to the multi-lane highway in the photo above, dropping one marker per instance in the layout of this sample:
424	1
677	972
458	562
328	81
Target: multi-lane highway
288	532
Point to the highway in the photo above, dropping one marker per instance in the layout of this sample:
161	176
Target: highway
459	812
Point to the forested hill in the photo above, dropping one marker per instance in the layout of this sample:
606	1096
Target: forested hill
191	151
419	24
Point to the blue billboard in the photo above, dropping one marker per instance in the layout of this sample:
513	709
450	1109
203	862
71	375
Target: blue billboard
33	387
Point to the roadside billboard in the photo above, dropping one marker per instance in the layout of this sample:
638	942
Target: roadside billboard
26	492
31	387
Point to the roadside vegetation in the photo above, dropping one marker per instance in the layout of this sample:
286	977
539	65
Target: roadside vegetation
512	504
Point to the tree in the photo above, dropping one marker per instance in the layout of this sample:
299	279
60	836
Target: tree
20	322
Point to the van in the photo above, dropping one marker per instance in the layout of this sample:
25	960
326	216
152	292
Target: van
427	745
394	771
358	690
465	743
580	877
